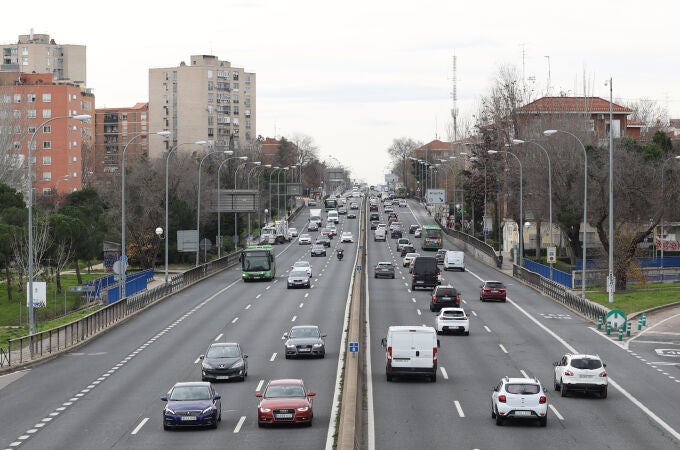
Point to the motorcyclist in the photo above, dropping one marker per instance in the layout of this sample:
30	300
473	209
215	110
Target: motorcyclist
340	253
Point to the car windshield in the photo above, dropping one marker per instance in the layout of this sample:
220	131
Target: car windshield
190	393
304	333
284	391
586	363
298	273
494	284
412	255
522	389
384	265
223	351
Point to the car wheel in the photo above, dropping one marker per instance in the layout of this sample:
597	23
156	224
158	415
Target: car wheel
393	277
481	299
556	384
499	420
493	413
504	300
433	377
165	426
543	421
439	331
375	276
413	287
260	424
287	356
388	376
431	308
467	333
603	393
563	389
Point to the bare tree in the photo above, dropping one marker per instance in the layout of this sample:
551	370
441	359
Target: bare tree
307	151
400	150
12	135
647	111
41	247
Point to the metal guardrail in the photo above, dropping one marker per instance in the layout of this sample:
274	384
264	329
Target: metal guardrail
471	240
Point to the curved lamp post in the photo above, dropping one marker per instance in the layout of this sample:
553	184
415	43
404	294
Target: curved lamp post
258	193
167	226
198	202
219	203
521	204
123	256
29	151
585	202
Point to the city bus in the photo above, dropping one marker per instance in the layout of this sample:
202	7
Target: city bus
432	236
258	263
330	203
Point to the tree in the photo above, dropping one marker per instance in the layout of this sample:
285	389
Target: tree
12	131
400	150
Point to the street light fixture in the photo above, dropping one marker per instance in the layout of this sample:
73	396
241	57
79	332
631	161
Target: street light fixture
278	190
123	256
244	158
585	202
258	193
521	203
82	118
274	169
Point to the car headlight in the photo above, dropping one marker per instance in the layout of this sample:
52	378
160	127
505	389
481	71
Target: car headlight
169	411
318	344
206	365
290	346
237	364
303	409
265	410
209	409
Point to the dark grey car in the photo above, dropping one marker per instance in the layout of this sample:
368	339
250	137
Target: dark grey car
304	340
224	361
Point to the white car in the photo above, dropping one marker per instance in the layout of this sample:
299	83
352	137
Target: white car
303	265
382	225
293	231
452	319
519	398
401	242
354	205
346	237
582	373
304	239
409	257
418	232
402	203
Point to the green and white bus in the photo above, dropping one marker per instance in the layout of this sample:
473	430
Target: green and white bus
432	236
258	263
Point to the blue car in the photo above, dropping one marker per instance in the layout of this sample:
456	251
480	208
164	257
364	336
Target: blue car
192	404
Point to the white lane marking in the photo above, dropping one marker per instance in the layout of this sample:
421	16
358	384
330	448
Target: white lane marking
488	330
444	374
418	311
248	306
273	357
259	386
474	313
464	302
268	287
235	319
307	295
552	408
239	424
258	296
293	319
458	408
197	360
141	424
301	305
414	300
502	348
219	336
524	374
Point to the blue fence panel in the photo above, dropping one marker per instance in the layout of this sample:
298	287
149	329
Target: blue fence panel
558	276
668	261
135	282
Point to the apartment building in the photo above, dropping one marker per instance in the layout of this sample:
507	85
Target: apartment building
205	100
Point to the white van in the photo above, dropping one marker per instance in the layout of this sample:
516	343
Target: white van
332	216
411	351
454	260
380	234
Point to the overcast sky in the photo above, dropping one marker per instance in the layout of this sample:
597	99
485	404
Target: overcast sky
354	75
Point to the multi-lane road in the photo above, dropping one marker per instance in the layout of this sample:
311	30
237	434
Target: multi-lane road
106	394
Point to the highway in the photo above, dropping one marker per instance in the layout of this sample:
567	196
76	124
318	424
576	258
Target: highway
106	394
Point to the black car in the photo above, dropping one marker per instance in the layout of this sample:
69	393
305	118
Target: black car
224	361
318	250
412	229
304	340
192	404
374	216
408	248
374	224
395	234
324	240
425	273
444	296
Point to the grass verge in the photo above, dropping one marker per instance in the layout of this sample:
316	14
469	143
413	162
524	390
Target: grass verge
639	298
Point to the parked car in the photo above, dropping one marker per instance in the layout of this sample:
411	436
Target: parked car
224	361
384	269
318	250
452	319
192	404
286	401
580	373
304	239
519	398
299	277
444	296
304	340
492	290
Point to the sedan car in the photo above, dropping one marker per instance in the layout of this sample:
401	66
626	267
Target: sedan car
303	265
285	401
354	205
492	290
418	232
347	237
305	239
313	226
519	398
351	215
440	255
342	211
327	232
192	404
304	340
401	242
224	361
396	233
374	224
299	277
323	240
452	319
384	269
293	231
318	250
409	257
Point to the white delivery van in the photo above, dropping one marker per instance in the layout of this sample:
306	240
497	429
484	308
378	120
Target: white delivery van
332	216
454	260
315	216
380	234
411	351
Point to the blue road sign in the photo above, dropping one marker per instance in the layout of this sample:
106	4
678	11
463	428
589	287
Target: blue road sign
354	347
358	268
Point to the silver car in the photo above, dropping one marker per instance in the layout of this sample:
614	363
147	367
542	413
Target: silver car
304	340
299	278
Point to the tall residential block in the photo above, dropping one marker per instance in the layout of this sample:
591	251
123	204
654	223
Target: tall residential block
206	100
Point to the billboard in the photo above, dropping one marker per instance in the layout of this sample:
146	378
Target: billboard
435	196
236	201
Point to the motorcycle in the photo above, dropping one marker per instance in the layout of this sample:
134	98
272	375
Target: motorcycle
340	254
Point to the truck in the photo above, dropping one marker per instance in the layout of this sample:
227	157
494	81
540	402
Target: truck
275	233
315	216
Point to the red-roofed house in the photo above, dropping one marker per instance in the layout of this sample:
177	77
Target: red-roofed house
434	150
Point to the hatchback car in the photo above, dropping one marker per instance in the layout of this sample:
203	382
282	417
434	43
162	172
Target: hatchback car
521	399
444	296
293	231
323	240
299	277
492	290
304	239
347	237
318	250
408	258
286	401
412	229
452	319
384	269
408	248
304	340
441	253
581	373
224	361
192	404
303	265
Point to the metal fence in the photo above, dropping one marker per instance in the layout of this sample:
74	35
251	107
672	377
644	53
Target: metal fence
473	241
563	278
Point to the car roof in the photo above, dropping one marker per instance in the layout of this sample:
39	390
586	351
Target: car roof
384	262
412	254
224	344
191	383
304	326
285	381
443	310
521	380
583	355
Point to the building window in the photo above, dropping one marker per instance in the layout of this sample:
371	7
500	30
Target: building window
211	86
31	114
17	98
47	160
210	132
47	129
31	98
210	74
47	145
590	125
47	192
235	74
47	97
46	113
47	176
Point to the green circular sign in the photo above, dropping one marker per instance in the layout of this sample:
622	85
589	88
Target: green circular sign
616	319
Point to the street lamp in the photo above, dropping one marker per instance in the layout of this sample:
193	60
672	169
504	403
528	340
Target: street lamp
219	203
521	203
244	158
519	142
585	202
167	226
123	257
275	168
80	117
663	207
258	194
278	190
484	229
198	203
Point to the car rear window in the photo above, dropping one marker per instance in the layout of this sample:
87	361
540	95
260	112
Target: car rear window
385	265
453	313
446	292
426	263
586	363
523	389
495	285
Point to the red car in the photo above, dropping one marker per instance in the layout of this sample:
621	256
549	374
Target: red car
492	290
285	401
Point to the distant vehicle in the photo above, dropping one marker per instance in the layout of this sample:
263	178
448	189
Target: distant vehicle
440	255
311	202
374	216
224	361
580	373
408	258
374	224
425	273
406	249
412	228
293	232
315	216
384	269
347	237
342	211
318	250
492	290
330	203
454	260
380	234
401	242
258	263
304	239
323	240
285	401
354	205
432	237
306	265
396	233
444	296
411	351
351	215
313	226
332	216
403	204
304	340
299	277
418	232
192	404
452	319
521	399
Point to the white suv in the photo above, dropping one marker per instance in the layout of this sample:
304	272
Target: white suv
580	372
519	398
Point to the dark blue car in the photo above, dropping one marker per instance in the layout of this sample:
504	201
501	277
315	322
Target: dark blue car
192	404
